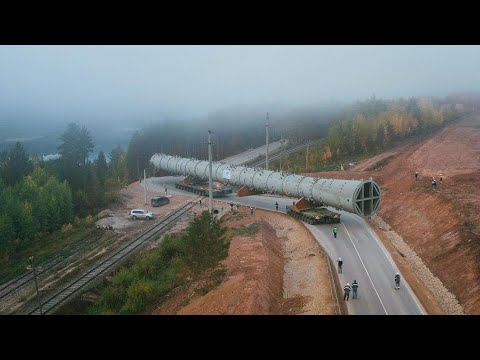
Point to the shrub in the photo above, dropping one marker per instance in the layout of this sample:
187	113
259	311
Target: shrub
66	228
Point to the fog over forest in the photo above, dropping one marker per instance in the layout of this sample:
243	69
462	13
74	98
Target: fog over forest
114	90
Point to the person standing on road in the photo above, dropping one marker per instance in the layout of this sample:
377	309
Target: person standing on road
340	263
434	184
231	206
397	281
276	206
238	206
166	190
335	232
251	210
347	288
354	289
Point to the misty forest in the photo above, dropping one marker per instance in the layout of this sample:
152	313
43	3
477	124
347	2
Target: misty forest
324	156
41	198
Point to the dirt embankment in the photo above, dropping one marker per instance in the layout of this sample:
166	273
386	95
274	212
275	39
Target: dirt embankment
442	227
277	270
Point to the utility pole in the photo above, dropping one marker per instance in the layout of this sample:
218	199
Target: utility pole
36	284
266	154
210	189
306	158
281	152
145	184
138	168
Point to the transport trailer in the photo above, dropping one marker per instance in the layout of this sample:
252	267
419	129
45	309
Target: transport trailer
314	216
201	188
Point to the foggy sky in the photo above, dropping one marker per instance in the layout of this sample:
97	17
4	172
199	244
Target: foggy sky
130	83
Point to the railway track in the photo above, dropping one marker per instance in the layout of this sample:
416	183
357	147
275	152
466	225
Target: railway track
257	151
106	265
23	280
286	152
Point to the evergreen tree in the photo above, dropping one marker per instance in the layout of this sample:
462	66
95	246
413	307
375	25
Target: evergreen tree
101	167
17	165
117	168
7	231
76	145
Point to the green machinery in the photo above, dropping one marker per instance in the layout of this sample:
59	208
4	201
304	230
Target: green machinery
200	187
311	214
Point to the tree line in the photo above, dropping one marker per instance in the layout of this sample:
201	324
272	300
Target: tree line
374	125
37	197
235	130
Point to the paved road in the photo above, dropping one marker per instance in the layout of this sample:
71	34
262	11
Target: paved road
366	260
364	256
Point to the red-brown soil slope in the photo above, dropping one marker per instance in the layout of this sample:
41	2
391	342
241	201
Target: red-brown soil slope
441	226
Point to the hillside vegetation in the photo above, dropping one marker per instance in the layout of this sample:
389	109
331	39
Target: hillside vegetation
375	125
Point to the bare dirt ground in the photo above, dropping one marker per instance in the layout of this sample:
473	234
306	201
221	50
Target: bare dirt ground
306	273
133	197
440	227
365	164
279	270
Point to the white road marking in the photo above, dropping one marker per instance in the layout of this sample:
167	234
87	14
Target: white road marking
394	265
381	302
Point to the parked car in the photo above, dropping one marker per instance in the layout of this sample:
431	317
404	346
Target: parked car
141	214
159	200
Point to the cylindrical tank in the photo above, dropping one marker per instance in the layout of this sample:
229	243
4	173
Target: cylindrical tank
362	197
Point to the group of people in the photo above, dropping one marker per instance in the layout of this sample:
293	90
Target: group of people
434	182
238	207
354	287
347	288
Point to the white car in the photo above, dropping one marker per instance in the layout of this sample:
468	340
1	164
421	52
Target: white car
141	214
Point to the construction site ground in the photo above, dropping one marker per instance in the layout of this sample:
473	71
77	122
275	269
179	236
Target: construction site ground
278	270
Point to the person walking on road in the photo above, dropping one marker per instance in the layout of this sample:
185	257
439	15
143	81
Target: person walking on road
335	232
340	263
166	190
416	175
354	289
347	288
276	206
238	206
231	206
397	281
434	184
